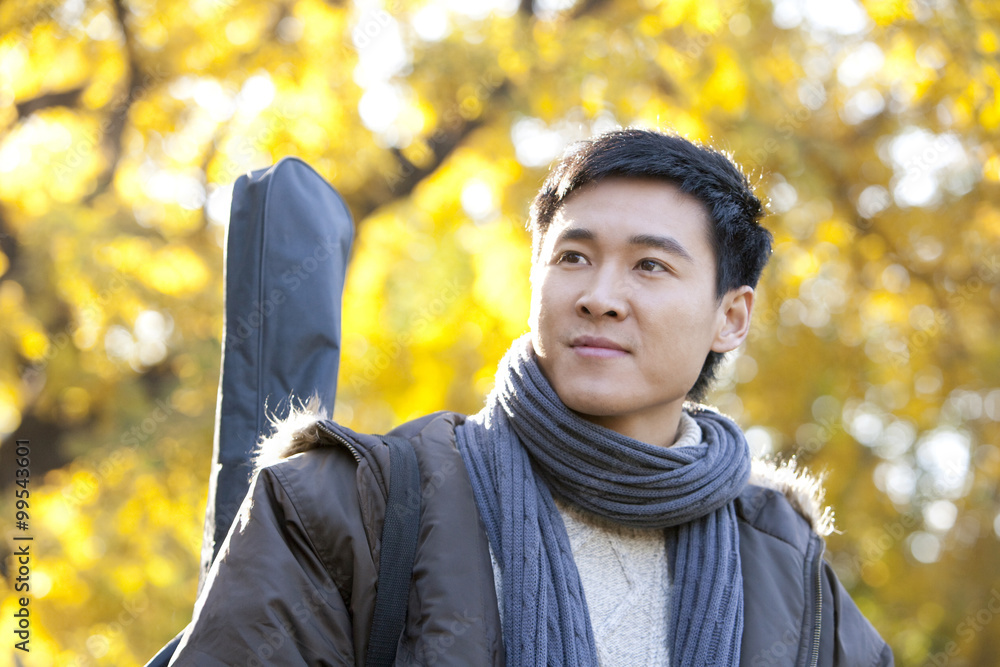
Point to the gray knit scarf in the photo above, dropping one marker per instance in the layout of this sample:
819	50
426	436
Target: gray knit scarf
525	442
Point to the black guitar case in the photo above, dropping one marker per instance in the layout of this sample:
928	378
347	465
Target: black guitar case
287	246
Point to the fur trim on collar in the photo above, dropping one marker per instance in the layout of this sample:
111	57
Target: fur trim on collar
292	435
803	490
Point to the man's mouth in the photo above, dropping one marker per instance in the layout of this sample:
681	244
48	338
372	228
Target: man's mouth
595	346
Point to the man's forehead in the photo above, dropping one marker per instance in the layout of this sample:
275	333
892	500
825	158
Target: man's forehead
629	187
651	203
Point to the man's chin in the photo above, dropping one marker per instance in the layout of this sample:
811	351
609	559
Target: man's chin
595	410
591	394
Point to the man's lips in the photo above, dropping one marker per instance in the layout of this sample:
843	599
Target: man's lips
595	346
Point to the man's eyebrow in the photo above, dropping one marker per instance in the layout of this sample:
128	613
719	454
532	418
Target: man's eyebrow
576	234
667	244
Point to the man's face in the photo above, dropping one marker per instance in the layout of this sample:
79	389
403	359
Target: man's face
623	305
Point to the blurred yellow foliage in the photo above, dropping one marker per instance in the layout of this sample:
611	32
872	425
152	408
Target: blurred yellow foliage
869	130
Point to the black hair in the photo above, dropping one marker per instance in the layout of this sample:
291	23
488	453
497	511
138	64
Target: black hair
741	245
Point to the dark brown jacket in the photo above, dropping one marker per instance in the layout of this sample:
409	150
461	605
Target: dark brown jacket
294	583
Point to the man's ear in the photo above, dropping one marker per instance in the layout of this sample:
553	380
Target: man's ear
734	319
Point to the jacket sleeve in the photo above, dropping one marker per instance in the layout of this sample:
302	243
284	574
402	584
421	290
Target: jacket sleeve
270	597
856	643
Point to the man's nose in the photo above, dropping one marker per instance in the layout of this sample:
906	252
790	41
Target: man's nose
604	295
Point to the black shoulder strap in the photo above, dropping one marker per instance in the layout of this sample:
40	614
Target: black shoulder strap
399	544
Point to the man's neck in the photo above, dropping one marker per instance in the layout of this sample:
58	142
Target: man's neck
658	428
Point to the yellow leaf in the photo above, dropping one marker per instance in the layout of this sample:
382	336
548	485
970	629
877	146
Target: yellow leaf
884	12
175	270
128	578
988	42
34	344
726	88
835	232
991	169
674	13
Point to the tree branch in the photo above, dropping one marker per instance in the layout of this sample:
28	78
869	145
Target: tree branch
8	245
64	98
384	188
586	7
111	142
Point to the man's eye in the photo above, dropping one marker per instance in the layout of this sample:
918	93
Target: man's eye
650	265
571	257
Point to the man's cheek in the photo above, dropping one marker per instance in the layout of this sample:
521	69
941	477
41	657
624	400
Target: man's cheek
539	301
533	314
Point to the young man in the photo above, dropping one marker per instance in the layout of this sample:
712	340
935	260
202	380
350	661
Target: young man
588	514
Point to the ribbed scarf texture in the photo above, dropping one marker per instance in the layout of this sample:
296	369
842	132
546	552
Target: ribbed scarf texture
525	444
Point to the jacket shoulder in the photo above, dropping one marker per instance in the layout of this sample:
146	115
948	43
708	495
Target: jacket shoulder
435	424
786	502
452	616
331	469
